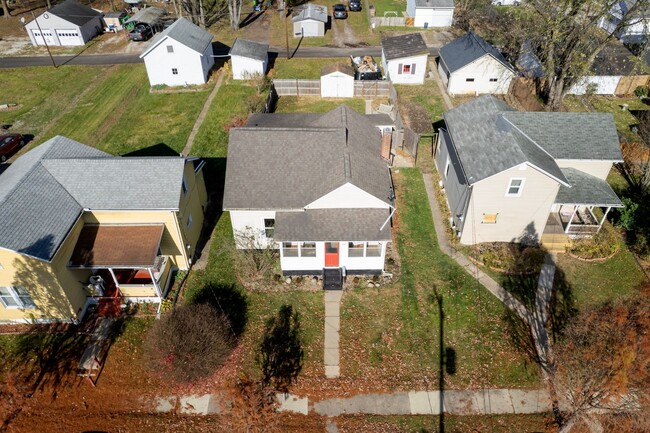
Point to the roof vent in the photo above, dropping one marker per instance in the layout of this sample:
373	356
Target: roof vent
348	168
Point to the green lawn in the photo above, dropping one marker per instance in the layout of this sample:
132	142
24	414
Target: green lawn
393	332
303	69
382	6
314	104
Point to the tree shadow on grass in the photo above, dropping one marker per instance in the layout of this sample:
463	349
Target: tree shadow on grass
226	299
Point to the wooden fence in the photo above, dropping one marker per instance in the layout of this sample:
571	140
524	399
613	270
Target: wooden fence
389	22
362	89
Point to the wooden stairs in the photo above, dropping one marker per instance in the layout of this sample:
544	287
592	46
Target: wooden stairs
555	242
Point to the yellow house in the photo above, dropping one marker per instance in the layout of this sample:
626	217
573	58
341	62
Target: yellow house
80	227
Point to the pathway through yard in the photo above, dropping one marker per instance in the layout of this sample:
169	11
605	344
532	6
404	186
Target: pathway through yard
202	114
332	328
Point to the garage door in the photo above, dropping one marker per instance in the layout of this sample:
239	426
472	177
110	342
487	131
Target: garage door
39	38
68	37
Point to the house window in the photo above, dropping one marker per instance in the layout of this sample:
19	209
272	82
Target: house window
170	49
373	249
189	221
184	186
16	297
447	165
269	227
489	218
290	249
355	249
308	249
515	187
469	80
174	71
406	69
493	80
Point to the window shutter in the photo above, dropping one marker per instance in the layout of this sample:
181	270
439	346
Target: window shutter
413	69
399	68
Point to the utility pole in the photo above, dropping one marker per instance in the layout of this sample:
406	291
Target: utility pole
44	41
286	26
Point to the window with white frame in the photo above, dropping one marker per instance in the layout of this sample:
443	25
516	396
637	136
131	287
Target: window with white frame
290	249
373	249
308	249
174	71
469	80
364	249
493	80
406	68
16	297
515	187
355	249
170	48
269	227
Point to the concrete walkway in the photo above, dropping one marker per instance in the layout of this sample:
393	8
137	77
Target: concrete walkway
441	87
332	328
368	106
202	114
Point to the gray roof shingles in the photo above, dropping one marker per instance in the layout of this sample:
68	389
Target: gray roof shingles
333	225
408	45
185	32
434	3
43	192
311	12
250	49
74	12
466	49
586	190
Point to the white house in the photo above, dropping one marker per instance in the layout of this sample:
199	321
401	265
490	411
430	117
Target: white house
431	13
337	81
180	55
309	20
469	65
511	176
313	185
638	25
66	24
404	58
248	59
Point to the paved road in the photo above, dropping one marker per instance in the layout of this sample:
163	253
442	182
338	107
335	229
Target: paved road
119	59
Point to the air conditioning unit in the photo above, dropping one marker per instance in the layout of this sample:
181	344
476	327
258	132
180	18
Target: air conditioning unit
97	284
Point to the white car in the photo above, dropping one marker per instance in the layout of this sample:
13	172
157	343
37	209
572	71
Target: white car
506	2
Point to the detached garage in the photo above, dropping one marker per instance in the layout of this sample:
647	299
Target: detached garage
431	13
67	24
309	21
337	81
248	59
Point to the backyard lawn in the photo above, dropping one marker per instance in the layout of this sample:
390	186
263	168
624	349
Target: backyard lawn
314	104
303	69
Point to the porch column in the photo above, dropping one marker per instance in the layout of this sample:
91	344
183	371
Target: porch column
155	283
573	215
603	220
114	278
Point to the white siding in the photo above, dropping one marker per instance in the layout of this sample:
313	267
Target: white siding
337	85
603	85
517	216
317	263
481	71
190	66
250	223
392	69
433	17
308	28
244	68
348	196
443	73
53	24
410	8
596	168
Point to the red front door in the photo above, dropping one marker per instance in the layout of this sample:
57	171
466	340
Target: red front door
331	254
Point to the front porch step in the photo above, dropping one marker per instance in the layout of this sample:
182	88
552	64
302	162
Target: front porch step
333	279
555	243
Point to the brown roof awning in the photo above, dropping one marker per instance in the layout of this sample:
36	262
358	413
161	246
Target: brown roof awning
129	246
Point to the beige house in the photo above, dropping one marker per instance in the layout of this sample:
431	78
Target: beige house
80	227
511	176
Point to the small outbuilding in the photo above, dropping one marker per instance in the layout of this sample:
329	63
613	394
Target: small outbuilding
248	59
310	20
337	81
180	55
404	58
431	13
67	24
470	65
152	16
114	21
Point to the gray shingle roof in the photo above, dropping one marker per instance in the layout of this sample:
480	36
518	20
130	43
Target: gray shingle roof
310	12
43	193
150	15
74	12
337	67
333	225
185	32
615	59
466	49
490	137
250	49
586	190
434	3
407	45
286	168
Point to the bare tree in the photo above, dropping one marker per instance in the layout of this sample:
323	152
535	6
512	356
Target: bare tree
602	366
203	13
5	9
234	11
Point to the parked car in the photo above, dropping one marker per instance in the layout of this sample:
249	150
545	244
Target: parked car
141	32
340	12
9	144
506	2
354	5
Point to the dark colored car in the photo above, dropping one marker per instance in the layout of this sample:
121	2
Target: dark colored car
9	144
340	12
355	5
141	32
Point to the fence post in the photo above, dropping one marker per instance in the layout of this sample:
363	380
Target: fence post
297	88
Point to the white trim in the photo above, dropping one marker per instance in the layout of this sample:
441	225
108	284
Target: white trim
520	187
20	305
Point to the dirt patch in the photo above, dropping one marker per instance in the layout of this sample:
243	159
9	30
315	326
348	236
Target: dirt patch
259	27
415	117
343	35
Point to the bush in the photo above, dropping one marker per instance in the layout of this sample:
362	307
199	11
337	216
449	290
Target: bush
189	343
642	91
627	215
602	245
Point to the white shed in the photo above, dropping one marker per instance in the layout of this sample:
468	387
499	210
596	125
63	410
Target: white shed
613	63
66	24
337	81
431	13
404	58
310	20
248	59
180	55
470	65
